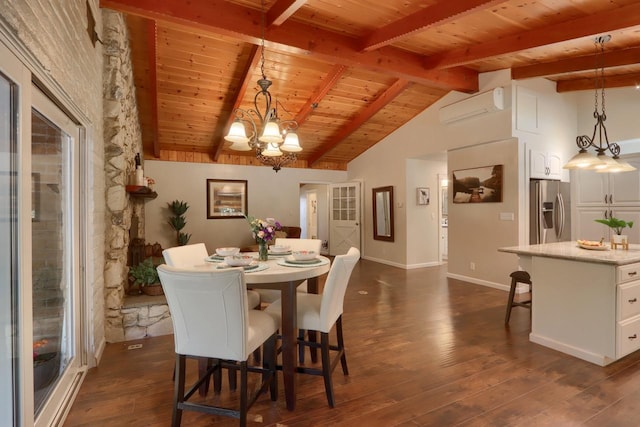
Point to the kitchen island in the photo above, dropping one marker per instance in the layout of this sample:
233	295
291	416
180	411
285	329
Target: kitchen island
585	303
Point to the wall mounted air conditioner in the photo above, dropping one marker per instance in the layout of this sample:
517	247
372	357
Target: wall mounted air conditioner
483	103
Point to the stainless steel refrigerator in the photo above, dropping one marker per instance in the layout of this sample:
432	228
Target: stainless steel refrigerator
549	211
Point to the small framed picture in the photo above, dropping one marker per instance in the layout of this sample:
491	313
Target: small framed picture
422	194
226	198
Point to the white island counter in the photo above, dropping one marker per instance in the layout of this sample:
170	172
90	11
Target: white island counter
586	303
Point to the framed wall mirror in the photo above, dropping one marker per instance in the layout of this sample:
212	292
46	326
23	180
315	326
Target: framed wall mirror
383	213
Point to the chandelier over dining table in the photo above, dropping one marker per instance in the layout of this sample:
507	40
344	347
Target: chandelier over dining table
274	140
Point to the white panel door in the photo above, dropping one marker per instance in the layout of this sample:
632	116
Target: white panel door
344	221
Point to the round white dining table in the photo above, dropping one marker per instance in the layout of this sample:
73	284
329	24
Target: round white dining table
286	278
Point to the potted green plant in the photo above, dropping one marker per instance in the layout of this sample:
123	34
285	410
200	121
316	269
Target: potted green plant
178	221
146	277
616	225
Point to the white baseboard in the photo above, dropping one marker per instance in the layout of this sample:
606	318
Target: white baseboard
99	350
479	281
580	353
403	266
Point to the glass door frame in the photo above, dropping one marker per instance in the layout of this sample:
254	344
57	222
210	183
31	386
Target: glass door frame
25	71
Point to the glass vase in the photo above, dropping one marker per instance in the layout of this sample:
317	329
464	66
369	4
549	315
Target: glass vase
263	253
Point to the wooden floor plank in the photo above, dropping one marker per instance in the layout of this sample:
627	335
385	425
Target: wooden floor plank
423	350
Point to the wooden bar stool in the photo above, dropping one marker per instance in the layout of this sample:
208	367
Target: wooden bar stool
518	277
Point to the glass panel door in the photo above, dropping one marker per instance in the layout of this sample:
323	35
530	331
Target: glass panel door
344	222
8	255
54	225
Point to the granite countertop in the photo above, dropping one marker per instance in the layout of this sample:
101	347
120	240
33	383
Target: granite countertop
571	251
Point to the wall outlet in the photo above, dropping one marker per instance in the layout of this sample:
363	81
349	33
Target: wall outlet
472	266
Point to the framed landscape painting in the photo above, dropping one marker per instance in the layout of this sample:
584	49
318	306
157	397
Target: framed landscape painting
226	198
478	185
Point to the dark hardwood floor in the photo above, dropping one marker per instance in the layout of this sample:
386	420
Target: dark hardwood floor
423	350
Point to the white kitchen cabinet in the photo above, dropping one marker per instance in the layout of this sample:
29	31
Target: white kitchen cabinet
545	165
612	189
589	229
586	225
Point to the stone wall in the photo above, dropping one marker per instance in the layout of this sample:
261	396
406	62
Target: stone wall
123	140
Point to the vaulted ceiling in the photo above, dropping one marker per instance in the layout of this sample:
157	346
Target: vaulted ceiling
351	71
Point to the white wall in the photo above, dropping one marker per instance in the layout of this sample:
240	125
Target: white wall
475	229
385	164
622	114
423	222
270	194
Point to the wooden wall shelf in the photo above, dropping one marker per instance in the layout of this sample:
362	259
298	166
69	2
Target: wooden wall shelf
141	191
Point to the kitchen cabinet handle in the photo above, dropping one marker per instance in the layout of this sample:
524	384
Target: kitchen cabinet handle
606	214
631	301
610	198
632	273
633	337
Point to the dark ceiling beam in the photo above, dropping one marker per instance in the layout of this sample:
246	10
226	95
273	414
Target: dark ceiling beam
438	14
152	44
330	80
282	10
621	80
245	81
369	111
218	16
591	25
581	63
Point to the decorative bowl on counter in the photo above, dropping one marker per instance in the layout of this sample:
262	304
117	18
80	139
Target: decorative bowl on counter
304	255
227	251
238	260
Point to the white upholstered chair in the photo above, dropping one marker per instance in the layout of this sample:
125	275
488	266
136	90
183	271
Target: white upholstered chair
271	295
212	321
320	312
188	256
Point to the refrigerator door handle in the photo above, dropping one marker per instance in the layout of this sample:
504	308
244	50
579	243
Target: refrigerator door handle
559	226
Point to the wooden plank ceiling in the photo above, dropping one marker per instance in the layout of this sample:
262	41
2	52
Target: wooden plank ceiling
351	71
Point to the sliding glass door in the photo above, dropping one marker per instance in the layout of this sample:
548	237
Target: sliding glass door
9	325
43	344
54	254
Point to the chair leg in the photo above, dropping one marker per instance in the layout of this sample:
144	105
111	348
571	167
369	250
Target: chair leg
301	333
326	367
243	394
512	293
233	381
269	363
343	357
313	350
179	371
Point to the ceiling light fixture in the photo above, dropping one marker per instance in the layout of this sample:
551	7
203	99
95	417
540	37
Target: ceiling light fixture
599	162
277	143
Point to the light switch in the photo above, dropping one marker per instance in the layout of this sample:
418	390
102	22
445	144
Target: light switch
507	216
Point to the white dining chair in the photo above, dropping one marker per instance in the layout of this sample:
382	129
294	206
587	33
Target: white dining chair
320	312
270	295
188	256
212	321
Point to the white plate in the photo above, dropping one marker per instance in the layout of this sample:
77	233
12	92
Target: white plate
315	263
280	253
291	260
253	265
594	248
